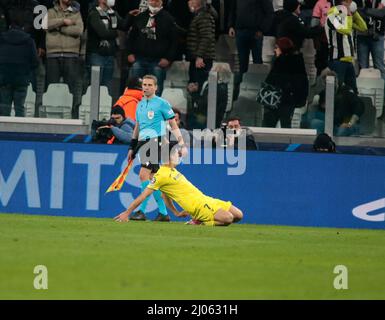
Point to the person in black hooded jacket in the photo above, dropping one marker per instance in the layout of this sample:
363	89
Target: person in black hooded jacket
288	24
289	74
18	57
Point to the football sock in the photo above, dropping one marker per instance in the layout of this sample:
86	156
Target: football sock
159	200
209	223
144	203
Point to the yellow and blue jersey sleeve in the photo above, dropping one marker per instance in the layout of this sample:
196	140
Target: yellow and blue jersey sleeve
156	182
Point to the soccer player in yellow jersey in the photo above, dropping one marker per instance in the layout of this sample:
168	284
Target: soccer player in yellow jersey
175	187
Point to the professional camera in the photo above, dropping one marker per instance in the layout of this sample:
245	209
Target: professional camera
104	134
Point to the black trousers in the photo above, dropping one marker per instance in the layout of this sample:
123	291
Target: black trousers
284	114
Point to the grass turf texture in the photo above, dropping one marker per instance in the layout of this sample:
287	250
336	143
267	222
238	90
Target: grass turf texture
90	258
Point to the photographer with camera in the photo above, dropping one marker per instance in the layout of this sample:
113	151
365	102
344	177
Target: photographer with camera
117	130
231	133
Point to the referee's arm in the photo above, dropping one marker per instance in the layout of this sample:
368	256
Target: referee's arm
178	135
134	142
176	132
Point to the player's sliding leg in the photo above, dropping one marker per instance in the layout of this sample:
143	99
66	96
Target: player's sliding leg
222	218
237	214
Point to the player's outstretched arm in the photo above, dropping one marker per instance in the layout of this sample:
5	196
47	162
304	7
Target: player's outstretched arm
169	203
123	217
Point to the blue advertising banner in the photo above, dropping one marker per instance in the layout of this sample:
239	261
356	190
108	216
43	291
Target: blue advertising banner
279	188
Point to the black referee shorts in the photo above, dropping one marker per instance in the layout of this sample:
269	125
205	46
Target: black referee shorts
150	152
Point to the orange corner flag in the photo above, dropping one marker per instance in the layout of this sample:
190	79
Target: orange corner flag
118	183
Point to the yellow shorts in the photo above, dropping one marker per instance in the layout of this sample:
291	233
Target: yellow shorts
208	207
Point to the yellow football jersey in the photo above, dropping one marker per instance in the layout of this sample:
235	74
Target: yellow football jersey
174	184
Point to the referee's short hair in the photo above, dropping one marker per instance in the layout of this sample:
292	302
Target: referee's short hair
151	76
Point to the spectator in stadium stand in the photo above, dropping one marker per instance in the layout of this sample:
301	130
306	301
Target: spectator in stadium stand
26	8
200	43
290	25
102	24
348	109
249	20
152	43
182	15
18	57
65	27
371	42
340	24
181	12
289	74
306	13
131	97
320	13
223	10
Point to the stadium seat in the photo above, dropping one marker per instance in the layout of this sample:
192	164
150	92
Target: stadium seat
254	76
105	103
177	76
57	102
246	106
225	75
29	104
309	52
373	88
370	73
277	5
268	49
226	51
368	118
176	97
297	116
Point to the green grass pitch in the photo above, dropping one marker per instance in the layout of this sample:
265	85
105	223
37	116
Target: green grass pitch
90	258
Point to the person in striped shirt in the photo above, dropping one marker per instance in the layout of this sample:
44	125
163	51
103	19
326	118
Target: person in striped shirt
342	19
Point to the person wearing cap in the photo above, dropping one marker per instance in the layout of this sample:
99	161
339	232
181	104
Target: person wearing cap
324	143
290	25
289	74
120	126
131	97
